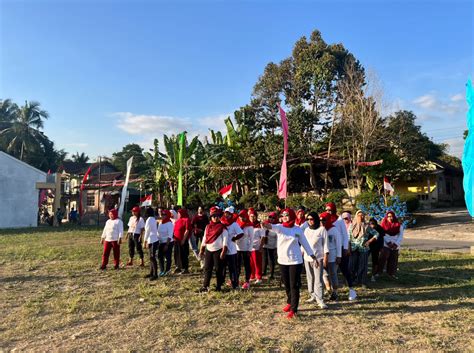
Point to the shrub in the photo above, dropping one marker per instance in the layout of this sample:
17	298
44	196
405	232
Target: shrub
248	200
412	202
294	201
268	201
378	210
314	203
366	198
337	197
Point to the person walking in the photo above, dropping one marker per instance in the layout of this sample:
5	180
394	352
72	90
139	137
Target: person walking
391	244
136	226
111	239
151	242
165	237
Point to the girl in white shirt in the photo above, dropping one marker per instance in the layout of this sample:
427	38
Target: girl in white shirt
214	248
317	237
112	238
166	242
270	247
151	242
244	247
391	244
332	258
136	225
290	258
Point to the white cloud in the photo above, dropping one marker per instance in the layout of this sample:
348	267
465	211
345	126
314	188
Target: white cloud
457	97
432	103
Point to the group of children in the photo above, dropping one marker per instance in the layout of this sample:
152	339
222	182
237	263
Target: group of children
228	243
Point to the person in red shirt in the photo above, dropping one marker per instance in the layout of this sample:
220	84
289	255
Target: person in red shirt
181	233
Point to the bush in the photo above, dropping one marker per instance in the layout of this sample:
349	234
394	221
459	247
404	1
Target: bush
294	201
194	200
268	201
337	197
314	203
366	198
378	210
248	200
412	202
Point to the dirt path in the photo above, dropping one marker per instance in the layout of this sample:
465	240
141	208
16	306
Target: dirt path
442	230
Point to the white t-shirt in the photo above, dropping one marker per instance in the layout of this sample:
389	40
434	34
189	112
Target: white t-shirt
318	240
341	226
113	230
219	243
233	230
396	239
334	244
288	244
245	243
135	227
304	225
258	234
165	232
271	240
151	231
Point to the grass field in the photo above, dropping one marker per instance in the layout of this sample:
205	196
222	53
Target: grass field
53	297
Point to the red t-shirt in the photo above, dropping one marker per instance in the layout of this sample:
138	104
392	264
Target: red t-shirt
180	227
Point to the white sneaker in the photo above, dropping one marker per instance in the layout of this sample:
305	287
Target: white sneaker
322	305
310	300
202	264
352	294
257	281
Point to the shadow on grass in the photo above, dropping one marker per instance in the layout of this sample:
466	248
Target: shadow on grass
31	278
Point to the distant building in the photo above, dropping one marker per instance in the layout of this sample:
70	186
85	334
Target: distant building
19	195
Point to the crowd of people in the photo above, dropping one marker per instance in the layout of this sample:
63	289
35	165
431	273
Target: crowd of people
245	250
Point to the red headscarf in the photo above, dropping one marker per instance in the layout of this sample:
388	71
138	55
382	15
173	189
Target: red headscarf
332	206
328	220
256	223
274	216
136	209
114	212
391	228
183	213
228	222
243	220
214	229
291	216
167	217
300	221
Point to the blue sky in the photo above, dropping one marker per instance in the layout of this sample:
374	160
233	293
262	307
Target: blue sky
115	72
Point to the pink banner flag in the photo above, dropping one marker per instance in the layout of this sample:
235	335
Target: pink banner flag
283	179
369	164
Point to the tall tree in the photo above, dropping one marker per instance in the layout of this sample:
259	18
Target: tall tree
80	158
119	159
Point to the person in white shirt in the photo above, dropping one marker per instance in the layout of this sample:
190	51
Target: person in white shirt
333	256
244	247
257	243
214	248
290	237
391	244
151	242
234	233
270	247
136	226
111	239
165	237
317	237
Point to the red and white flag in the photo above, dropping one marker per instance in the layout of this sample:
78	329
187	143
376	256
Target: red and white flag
387	186
146	201
225	191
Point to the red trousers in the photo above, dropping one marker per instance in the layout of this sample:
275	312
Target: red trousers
256	265
109	245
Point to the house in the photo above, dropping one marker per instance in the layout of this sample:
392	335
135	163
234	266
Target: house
19	194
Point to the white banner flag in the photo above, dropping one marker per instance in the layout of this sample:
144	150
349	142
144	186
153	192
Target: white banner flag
124	190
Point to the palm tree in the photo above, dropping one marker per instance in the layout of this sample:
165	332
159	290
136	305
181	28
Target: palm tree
22	134
80	158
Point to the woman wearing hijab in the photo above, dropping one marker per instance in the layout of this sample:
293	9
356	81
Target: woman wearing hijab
332	255
317	239
375	246
214	249
301	218
359	232
136	226
244	247
257	243
270	247
165	237
151	242
391	244
111	239
290	237
182	232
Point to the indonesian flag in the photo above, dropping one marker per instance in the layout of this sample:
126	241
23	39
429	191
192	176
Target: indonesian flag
387	186
146	201
225	191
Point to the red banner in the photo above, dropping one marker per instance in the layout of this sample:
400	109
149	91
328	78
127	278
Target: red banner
369	164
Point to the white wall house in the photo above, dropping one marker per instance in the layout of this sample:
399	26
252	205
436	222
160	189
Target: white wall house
18	192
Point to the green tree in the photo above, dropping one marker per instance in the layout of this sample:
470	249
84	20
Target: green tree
80	158
139	165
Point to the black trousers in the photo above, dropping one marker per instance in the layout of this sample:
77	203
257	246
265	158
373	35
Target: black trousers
291	278
134	241
346	272
165	255
374	253
153	249
181	255
213	261
231	264
269	258
244	257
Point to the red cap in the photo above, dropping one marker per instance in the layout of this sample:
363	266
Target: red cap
136	209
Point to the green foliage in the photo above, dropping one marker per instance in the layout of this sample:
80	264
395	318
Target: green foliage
268	201
295	201
366	198
337	197
139	165
249	200
314	203
411	201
